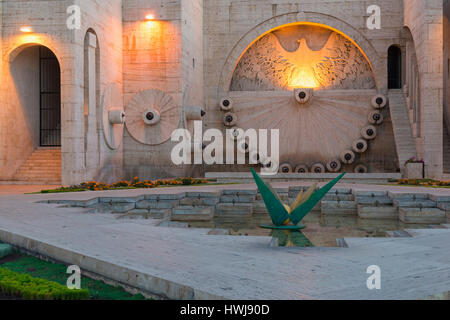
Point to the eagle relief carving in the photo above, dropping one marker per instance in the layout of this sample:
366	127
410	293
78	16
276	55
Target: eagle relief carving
302	56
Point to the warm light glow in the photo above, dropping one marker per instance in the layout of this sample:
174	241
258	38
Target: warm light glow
150	17
26	29
303	78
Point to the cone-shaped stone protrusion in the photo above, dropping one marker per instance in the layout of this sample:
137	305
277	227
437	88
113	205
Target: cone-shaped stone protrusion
334	166
226	104
361	168
360	146
151	117
301	168
230	119
379	101
369	132
318	168
375	117
348	157
194	113
286	168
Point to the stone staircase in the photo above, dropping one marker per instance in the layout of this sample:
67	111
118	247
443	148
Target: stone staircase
375	205
418	208
42	167
404	139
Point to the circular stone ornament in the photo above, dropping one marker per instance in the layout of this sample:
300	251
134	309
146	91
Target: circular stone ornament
302	96
334	166
152	116
286	168
226	104
301	169
318	168
379	101
369	132
348	157
360	146
361	169
113	116
230	119
376	118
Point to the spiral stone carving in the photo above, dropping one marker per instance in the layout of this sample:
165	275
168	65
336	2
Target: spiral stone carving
152	116
113	116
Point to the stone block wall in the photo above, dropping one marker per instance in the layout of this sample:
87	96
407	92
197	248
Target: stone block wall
425	21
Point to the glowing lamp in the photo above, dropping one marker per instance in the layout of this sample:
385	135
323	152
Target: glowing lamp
26	29
150	17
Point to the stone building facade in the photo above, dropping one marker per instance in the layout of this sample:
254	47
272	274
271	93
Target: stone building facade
93	89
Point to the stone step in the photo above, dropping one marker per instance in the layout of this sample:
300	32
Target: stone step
379	212
422	215
44	165
234	210
190	213
408	196
374	201
238	199
398	234
239	192
153	204
369	194
338	197
137	214
338	208
202	202
405	203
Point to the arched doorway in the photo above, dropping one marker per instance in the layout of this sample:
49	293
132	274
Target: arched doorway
36	100
50	99
394	68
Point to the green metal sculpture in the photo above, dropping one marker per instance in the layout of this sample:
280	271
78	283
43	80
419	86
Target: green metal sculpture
286	217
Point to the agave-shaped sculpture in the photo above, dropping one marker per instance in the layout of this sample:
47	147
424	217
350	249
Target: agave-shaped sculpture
284	216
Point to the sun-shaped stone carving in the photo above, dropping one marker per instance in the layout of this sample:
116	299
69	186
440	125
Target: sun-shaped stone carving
318	132
152	116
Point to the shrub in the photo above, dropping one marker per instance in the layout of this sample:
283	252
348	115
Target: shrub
29	288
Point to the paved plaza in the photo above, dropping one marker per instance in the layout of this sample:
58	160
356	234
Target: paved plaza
186	263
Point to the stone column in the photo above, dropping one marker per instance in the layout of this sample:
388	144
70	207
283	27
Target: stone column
91	139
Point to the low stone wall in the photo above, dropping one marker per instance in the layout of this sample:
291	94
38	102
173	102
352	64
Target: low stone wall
241	205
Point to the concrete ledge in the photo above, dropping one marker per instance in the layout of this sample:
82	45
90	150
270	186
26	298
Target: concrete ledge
244	177
377	212
121	274
422	215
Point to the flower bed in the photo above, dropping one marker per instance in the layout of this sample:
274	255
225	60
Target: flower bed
136	183
424	183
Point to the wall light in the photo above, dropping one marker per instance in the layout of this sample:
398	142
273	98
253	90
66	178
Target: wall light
150	17
26	29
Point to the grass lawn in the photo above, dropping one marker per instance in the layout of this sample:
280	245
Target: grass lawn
37	268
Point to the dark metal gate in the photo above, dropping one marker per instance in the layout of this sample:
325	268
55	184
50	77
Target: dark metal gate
50	99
